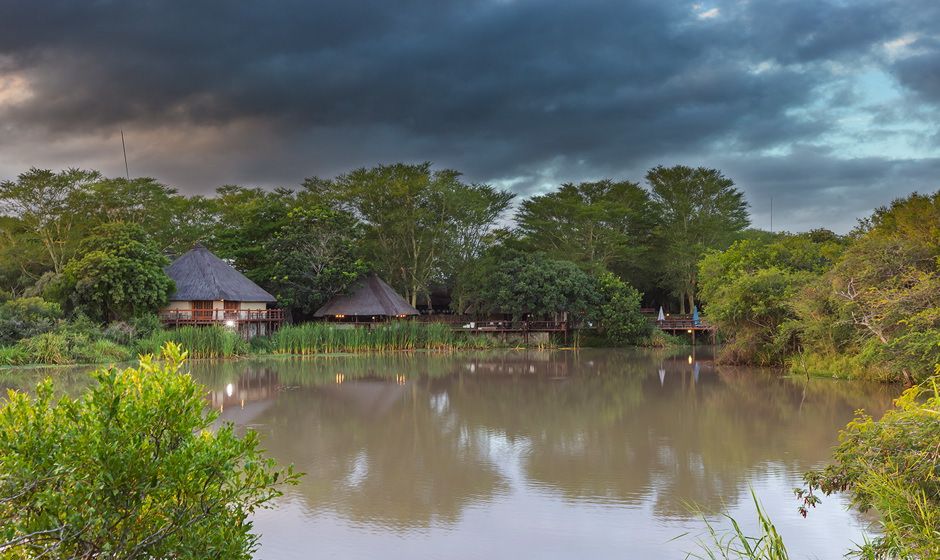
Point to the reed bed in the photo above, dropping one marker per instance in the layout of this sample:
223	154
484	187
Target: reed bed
200	342
324	338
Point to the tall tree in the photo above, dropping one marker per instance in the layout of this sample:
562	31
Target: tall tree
314	256
118	274
419	223
698	209
248	218
44	201
603	225
172	221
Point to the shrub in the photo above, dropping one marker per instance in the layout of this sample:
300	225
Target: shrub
26	317
12	356
891	466
47	348
100	351
618	311
133	469
120	332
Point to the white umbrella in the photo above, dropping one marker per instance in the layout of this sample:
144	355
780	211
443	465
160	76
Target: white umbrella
662	316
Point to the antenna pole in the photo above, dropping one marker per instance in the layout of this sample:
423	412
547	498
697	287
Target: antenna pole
771	214
127	172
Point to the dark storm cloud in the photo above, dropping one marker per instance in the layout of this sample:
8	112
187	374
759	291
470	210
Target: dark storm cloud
523	92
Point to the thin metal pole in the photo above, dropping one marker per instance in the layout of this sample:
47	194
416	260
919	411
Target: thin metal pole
127	172
771	214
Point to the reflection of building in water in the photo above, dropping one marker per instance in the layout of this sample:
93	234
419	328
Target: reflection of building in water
251	385
554	364
368	397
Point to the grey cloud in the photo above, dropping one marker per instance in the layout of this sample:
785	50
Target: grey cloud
218	91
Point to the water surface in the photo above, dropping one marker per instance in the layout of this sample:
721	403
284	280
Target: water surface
594	454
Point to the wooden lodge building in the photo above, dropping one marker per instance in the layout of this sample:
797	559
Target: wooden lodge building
210	291
370	300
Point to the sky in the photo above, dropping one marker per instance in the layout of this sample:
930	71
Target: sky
829	108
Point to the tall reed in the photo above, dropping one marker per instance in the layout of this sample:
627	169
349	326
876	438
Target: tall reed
200	342
326	338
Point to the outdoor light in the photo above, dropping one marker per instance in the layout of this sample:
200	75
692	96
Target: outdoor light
230	323
690	331
690	359
340	316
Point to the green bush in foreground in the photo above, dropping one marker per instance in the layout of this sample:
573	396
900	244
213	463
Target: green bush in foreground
891	465
130	470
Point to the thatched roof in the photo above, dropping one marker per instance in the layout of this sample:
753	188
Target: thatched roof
200	275
369	297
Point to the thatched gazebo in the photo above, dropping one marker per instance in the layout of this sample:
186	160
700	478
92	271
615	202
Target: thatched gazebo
369	300
210	291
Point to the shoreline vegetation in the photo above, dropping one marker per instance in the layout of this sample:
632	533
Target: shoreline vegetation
82	260
91	346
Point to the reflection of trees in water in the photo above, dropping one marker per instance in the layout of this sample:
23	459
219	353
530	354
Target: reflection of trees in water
69	380
614	432
404	440
379	452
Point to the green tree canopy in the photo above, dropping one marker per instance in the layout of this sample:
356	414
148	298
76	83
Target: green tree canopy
314	255
44	201
603	225
133	469
881	300
518	283
750	290
421	225
117	274
891	465
697	209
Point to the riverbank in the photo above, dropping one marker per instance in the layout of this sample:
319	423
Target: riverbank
77	344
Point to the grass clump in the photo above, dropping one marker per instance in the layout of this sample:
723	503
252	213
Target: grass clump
734	544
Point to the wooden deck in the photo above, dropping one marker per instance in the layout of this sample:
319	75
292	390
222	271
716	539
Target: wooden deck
679	325
225	317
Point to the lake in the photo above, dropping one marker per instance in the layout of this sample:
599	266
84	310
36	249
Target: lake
528	454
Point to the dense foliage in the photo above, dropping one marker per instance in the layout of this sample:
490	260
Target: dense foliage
116	274
519	283
697	209
867	305
422	225
618	311
891	465
130	470
604	225
26	317
751	290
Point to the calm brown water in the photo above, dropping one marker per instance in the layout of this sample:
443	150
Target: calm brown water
594	454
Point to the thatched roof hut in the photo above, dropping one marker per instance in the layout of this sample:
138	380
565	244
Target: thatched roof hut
202	276
370	297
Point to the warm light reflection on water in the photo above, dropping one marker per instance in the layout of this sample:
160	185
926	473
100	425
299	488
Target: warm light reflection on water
514	455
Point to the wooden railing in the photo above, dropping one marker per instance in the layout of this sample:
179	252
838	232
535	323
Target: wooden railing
682	323
232	317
